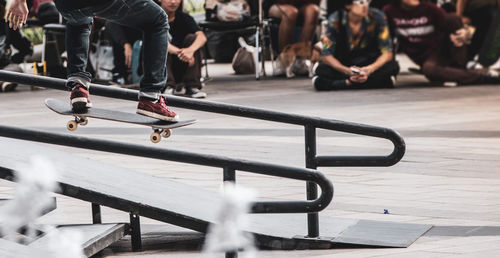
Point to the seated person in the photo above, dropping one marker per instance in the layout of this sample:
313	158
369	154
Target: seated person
436	41
288	11
184	57
122	39
357	39
14	38
480	14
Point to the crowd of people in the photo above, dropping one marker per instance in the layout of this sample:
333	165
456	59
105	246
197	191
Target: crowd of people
358	46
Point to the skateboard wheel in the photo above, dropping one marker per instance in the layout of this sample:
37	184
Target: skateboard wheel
155	137
166	133
71	125
84	121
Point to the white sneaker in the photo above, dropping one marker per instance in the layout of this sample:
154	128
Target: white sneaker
314	79
8	86
169	91
450	84
195	93
315	66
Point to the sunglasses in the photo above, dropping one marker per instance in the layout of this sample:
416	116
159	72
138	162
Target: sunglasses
361	2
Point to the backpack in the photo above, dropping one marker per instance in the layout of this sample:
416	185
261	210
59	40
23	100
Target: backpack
244	59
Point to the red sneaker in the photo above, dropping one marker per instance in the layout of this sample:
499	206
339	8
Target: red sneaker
80	98
157	109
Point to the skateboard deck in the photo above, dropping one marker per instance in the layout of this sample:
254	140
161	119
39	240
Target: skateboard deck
161	128
490	50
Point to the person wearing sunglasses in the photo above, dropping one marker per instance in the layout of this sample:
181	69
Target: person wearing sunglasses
436	41
357	50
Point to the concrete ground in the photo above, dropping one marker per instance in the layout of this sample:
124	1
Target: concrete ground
449	176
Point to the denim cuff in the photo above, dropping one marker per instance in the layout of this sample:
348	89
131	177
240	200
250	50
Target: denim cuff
149	95
76	79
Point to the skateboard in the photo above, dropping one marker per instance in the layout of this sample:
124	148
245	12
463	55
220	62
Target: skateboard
490	50
160	128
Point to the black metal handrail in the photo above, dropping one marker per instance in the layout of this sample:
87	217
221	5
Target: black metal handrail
303	174
310	125
237	110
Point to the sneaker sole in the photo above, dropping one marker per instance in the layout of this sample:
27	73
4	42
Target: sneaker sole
198	96
80	104
8	86
157	116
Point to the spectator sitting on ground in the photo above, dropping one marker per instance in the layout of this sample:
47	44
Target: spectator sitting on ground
480	14
122	39
288	11
357	39
436	41
184	57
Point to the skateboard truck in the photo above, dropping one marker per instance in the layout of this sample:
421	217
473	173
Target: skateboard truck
73	124
155	137
158	133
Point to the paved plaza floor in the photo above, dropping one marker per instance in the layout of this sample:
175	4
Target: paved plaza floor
449	176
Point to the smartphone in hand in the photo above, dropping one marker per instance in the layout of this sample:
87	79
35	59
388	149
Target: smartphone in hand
355	70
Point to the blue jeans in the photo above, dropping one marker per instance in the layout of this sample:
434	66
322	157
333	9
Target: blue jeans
144	15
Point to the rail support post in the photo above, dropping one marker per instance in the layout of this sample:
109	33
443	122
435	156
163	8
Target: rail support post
229	175
135	234
311	187
96	213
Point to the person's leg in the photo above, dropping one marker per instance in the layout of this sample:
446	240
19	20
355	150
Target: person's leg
481	19
448	64
456	56
381	78
327	78
310	13
77	46
175	70
171	76
435	68
119	69
148	17
192	73
288	16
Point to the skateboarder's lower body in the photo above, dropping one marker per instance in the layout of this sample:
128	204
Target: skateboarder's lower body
144	15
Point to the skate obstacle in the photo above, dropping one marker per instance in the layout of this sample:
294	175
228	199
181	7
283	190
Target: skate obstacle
294	224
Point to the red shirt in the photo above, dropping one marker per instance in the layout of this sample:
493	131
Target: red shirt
418	29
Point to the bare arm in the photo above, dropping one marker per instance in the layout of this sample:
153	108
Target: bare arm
335	64
199	41
461	7
186	54
172	49
381	60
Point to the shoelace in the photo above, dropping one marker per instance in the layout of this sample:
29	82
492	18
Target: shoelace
163	103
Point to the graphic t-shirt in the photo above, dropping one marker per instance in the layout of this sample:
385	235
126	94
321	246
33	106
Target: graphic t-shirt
417	29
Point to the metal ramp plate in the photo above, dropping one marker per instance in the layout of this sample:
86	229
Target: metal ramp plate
193	208
95	237
292	228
